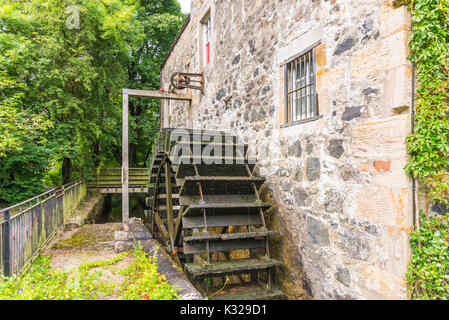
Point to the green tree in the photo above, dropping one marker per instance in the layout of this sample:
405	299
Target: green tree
70	80
161	21
66	75
23	151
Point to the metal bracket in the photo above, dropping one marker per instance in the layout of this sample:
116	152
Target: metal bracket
182	80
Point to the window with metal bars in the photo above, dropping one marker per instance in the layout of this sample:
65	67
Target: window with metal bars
301	101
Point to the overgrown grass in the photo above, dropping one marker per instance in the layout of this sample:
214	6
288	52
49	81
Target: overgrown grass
141	281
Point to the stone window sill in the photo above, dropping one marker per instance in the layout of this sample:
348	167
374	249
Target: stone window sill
285	125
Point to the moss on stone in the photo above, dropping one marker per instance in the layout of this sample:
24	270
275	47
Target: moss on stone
84	237
78	239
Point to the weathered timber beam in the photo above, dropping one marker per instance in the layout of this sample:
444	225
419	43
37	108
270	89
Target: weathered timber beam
125	159
170	222
178	225
159	170
160	225
156	94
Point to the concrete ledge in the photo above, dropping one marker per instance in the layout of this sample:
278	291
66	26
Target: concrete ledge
126	236
129	232
174	274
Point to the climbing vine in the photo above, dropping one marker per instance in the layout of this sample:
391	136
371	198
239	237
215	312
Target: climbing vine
428	272
429	144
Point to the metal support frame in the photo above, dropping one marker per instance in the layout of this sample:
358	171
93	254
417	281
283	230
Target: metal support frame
256	193
200	189
183	80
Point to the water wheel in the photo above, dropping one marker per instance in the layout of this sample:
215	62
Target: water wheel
207	211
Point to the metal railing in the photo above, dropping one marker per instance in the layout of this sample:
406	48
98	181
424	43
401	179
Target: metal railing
26	227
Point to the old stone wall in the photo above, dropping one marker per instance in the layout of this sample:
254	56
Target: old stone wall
343	200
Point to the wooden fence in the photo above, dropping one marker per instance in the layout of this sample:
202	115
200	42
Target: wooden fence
109	180
26	227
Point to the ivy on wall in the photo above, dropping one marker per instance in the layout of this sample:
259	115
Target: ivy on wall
429	144
428	272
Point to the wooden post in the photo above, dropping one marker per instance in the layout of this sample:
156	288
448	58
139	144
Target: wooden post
169	203
190	114
125	164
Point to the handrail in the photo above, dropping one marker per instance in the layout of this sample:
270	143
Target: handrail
46	194
21	204
27	230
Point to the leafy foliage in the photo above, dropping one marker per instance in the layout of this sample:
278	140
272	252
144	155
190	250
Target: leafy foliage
141	281
429	144
23	152
60	89
428	273
43	283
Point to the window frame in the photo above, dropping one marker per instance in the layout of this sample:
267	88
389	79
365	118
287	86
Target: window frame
288	107
206	46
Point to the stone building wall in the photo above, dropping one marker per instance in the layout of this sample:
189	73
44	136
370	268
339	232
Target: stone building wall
343	200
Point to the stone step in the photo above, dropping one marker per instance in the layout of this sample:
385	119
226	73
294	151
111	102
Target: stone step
222	268
220	185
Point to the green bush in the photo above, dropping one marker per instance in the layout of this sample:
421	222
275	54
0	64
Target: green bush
428	273
144	282
429	144
141	281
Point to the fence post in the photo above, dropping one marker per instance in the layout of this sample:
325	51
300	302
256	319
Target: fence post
6	245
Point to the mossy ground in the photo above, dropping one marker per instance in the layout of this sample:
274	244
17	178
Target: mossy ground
82	264
92	237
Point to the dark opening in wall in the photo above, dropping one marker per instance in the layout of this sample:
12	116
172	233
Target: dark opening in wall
112	208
